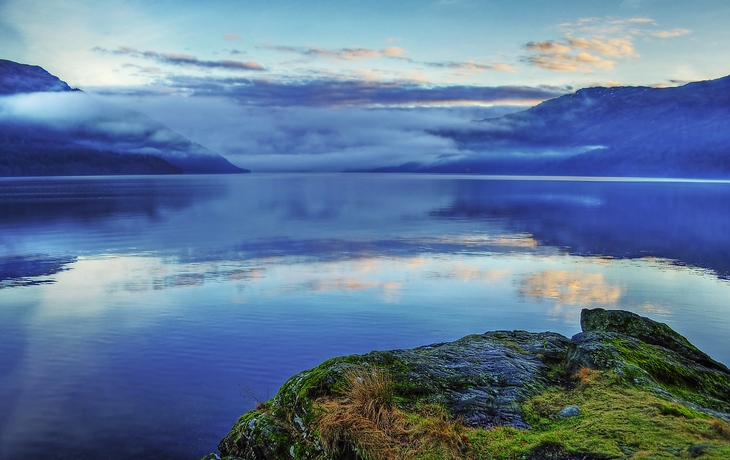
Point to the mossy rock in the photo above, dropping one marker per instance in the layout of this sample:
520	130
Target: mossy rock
485	379
648	331
651	355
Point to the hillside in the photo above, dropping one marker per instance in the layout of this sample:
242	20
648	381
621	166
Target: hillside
622	131
48	128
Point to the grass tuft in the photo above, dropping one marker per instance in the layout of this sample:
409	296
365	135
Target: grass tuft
364	422
586	377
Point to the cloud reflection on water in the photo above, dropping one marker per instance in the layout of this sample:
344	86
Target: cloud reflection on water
570	288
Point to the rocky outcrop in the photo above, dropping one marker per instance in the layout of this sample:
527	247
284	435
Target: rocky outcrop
653	356
484	379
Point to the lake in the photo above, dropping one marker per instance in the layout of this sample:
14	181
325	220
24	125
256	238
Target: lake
140	316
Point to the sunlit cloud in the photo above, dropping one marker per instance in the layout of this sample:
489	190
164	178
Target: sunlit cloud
607	25
612	47
580	54
232	37
473	66
642	20
676	32
393	51
608	39
570	288
182	59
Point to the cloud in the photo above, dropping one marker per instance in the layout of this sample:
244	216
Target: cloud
615	26
472	66
611	39
78	120
338	93
580	54
301	138
144	69
392	52
676	32
232	37
620	48
609	26
183	59
642	20
348	54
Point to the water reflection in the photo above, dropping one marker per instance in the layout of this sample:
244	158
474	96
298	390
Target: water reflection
31	269
688	223
570	288
171	294
25	201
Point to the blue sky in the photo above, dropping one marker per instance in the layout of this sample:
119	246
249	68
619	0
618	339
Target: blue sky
156	56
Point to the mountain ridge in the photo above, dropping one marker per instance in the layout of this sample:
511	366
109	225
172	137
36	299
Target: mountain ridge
625	131
25	78
44	120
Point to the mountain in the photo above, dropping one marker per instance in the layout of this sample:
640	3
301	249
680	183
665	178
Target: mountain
623	131
49	128
21	78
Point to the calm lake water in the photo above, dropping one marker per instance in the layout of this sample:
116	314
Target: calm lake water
140	316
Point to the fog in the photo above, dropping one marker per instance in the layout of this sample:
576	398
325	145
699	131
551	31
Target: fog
304	138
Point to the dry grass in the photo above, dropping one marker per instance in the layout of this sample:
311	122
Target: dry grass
586	377
720	428
365	422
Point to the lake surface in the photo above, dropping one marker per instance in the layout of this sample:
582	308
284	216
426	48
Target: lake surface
140	316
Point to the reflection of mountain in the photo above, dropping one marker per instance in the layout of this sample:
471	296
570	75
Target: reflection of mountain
25	270
689	223
622	131
48	128
90	201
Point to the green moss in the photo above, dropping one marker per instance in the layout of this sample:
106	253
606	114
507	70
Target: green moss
683	378
505	338
616	421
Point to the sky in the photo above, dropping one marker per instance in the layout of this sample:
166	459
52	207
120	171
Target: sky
344	84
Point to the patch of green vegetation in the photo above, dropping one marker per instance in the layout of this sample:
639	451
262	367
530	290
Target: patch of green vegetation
695	384
505	338
616	421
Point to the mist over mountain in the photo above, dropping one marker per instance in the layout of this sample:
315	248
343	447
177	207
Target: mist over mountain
48	128
618	131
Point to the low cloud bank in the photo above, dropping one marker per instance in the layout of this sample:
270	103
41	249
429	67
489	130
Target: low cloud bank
55	124
312	138
342	93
